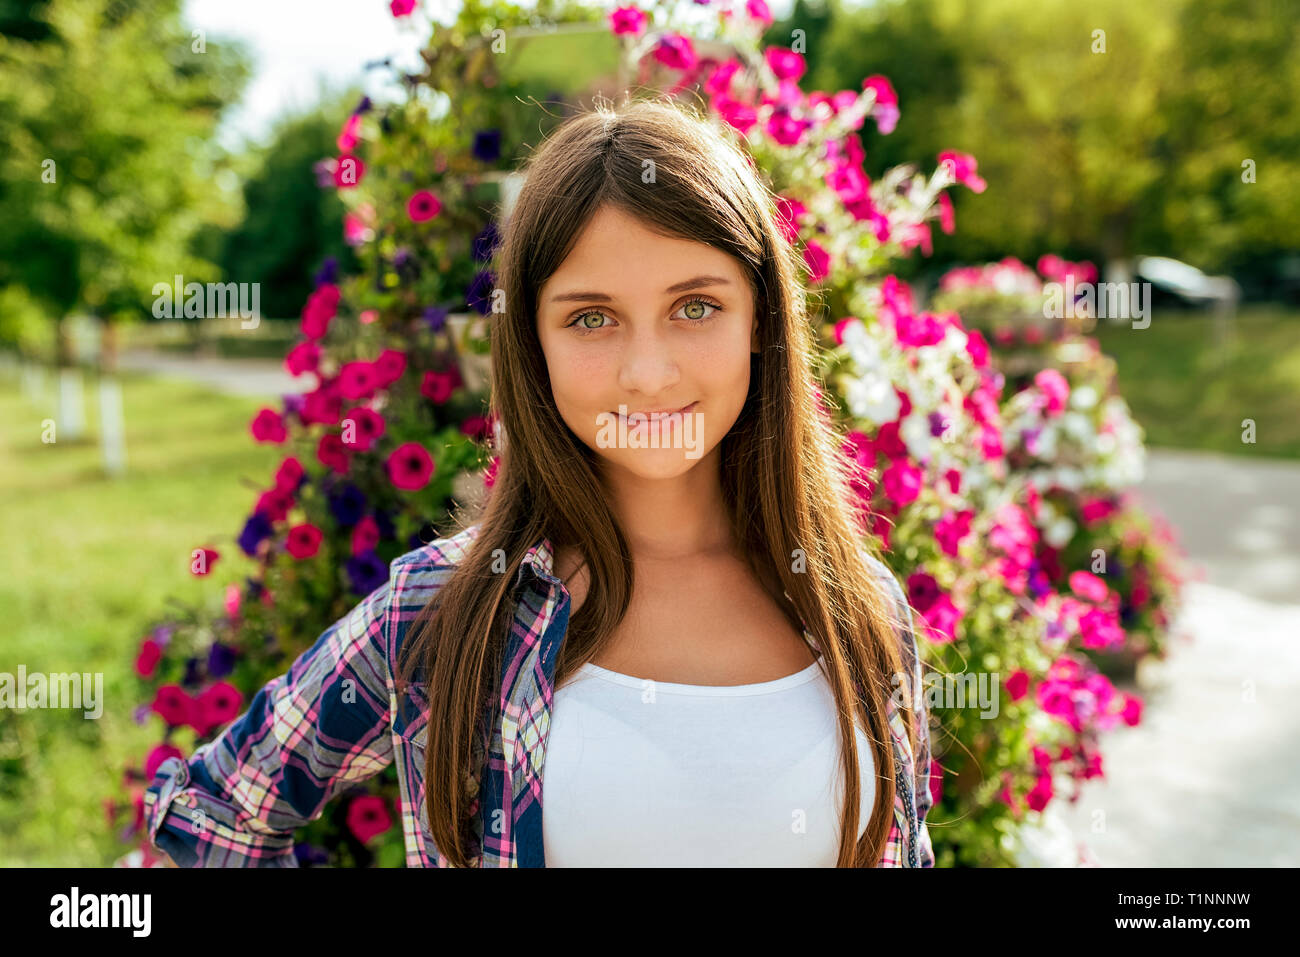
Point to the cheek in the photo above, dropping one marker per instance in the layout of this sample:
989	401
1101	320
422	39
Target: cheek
578	377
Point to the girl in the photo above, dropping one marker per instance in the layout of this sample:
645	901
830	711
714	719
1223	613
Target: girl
664	610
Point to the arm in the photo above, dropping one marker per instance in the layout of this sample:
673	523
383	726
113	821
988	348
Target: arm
306	735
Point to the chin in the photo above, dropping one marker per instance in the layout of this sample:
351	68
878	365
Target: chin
650	463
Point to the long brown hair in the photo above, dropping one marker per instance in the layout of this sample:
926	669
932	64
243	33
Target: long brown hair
786	485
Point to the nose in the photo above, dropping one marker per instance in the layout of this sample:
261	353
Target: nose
648	365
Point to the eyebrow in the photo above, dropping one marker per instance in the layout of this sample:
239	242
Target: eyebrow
684	286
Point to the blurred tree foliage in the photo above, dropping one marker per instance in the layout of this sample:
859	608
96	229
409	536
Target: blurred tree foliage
1135	150
107	110
290	223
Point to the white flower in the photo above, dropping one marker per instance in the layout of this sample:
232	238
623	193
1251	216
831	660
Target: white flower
1059	532
1083	397
915	432
872	397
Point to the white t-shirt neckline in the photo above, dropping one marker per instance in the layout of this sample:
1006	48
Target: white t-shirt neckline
718	691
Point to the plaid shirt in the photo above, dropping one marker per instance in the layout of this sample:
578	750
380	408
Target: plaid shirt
334	720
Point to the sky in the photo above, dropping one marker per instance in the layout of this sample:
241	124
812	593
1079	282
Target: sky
300	47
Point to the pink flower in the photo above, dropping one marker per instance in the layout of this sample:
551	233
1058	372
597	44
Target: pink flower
951	529
438	386
368	815
961	166
389	366
902	482
941	619
332	453
947	220
349	171
350	134
357	380
274	504
788	213
1055	389
676	51
1051	267
365	536
885	109
818	260
719	81
355	230
267	426
147	660
423	206
367	316
201	565
410	467
217	705
759	11
157	756
785	128
401	8
367	426
490	475
289	474
1017	685
173	705
304	540
232	601
1088	586
1095	510
978	348
1041	795
323	405
627	20
1132	713
739	115
304	357
321	306
785	63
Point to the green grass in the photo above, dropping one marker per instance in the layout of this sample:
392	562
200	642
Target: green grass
87	563
1188	392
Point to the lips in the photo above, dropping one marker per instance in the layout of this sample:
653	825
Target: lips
660	413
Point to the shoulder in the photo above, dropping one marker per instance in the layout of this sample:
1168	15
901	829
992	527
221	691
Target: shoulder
415	577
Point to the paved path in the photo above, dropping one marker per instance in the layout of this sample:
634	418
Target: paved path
1211	777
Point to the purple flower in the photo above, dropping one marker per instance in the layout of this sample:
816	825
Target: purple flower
436	317
324	171
141	714
309	854
329	269
938	422
479	291
257	528
192	676
487	145
163	634
221	660
368	571
363	106
485	243
348	503
385	523
293	403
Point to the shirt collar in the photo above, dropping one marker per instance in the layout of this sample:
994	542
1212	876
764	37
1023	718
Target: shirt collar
538	563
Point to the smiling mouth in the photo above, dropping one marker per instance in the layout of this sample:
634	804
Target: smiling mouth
656	416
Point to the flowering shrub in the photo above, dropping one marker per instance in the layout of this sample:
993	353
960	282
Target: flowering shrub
392	426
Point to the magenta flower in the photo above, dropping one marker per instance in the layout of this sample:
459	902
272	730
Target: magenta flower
368	815
423	206
410	467
676	51
785	63
719	81
350	134
978	348
365	536
1088	586
321	306
759	11
818	260
627	20
885	110
147	660
941	620
367	425
173	704
951	529
289	474
961	166
217	705
267	426
332	453
274	504
401	8
304	540
357	380
438	386
157	756
389	366
737	114
1055	388
349	171
304	357
1017	685
204	566
902	482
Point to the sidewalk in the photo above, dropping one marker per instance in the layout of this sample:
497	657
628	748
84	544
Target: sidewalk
233	376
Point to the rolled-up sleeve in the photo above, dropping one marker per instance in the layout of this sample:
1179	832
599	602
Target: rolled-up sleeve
307	734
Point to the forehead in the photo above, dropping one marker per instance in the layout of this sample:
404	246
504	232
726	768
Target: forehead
617	252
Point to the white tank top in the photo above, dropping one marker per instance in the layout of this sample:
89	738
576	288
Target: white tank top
642	773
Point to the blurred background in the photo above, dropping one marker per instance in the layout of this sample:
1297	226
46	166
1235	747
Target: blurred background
144	139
